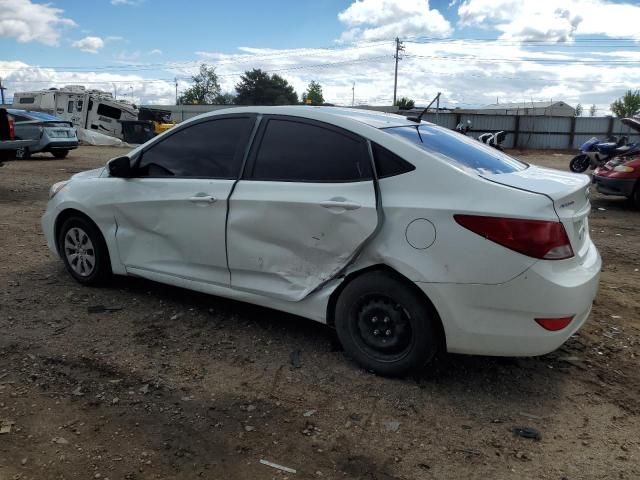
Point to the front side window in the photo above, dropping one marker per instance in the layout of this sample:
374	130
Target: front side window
457	149
212	149
109	111
294	151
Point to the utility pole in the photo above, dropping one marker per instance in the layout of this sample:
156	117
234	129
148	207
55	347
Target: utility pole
353	94
2	89
175	80
115	91
399	48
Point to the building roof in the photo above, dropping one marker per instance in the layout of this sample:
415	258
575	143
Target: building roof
522	105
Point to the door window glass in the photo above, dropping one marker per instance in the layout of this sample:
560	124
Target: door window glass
109	111
212	149
294	151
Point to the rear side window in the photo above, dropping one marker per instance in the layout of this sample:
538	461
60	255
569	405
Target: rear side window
109	111
19	118
388	163
212	149
294	151
25	100
457	149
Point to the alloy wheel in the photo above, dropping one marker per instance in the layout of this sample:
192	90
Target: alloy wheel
79	251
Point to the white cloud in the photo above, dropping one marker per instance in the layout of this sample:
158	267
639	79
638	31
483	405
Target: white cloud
552	20
384	19
155	51
30	22
89	44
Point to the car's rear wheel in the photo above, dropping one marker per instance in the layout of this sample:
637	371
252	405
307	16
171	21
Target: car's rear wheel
84	251
23	153
635	196
385	326
60	153
579	163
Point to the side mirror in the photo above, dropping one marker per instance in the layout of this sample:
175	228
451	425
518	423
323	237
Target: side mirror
120	167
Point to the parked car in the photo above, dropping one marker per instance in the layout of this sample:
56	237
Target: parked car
620	177
8	143
53	134
406	237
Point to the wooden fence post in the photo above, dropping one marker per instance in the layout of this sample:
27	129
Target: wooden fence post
516	131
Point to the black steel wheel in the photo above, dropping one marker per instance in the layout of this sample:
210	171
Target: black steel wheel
384	325
23	153
579	163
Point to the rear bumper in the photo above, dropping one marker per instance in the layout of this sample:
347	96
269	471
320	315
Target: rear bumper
61	145
614	186
499	319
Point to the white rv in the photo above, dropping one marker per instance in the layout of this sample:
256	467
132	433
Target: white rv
89	109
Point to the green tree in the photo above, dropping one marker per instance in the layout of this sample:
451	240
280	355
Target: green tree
579	110
226	99
628	105
404	103
205	89
313	95
592	110
259	88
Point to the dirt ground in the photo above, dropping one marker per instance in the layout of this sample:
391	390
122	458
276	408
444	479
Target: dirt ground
177	385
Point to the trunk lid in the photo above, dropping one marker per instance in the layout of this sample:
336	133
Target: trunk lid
569	193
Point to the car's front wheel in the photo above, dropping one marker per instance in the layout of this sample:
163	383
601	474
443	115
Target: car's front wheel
385	326
635	196
60	154
84	251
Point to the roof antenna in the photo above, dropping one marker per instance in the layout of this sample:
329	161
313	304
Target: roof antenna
418	119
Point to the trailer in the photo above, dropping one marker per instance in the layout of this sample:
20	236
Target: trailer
88	109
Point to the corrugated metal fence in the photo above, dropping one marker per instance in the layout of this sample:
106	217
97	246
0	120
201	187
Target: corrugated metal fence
538	132
524	132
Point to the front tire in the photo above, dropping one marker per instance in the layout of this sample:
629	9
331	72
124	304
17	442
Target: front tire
385	326
60	154
635	196
84	251
579	163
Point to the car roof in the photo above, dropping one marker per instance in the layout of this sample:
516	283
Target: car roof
371	118
32	114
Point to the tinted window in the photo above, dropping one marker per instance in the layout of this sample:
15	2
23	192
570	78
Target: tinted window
211	149
19	118
458	149
388	163
108	111
301	152
27	100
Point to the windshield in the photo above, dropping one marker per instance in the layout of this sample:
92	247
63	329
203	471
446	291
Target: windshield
460	150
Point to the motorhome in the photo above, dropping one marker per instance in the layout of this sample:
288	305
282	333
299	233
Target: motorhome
89	109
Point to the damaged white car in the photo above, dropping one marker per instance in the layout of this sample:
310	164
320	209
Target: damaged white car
405	236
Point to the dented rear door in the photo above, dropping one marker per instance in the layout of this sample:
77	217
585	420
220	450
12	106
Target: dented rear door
303	208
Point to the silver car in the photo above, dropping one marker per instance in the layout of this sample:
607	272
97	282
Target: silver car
53	134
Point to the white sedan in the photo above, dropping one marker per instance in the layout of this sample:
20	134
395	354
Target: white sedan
406	237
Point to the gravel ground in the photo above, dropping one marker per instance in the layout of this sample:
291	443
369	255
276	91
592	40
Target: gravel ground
172	384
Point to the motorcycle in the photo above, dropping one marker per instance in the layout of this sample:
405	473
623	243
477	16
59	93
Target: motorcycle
493	139
594	153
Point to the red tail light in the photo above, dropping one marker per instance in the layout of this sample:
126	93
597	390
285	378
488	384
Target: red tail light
12	129
554	324
534	238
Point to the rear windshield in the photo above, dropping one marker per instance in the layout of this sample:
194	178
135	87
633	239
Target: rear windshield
458	149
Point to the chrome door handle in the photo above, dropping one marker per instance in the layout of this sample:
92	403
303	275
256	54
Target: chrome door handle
340	204
203	199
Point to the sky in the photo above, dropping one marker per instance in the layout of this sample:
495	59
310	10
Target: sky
475	52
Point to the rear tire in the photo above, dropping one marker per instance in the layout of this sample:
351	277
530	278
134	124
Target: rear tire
385	326
579	163
84	251
60	154
23	153
635	196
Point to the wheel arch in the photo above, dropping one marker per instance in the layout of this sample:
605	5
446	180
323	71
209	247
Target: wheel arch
67	213
333	299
